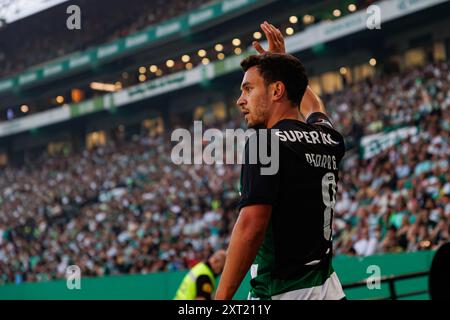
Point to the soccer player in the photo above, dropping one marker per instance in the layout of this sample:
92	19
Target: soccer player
283	233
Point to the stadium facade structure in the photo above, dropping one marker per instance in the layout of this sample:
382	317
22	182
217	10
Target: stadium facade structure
412	32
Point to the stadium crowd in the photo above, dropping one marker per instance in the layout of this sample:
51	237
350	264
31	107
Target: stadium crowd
119	208
125	207
103	22
51	40
398	199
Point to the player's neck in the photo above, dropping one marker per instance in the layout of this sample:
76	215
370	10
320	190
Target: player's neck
282	113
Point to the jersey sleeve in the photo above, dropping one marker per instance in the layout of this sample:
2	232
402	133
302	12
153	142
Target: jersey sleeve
204	287
257	187
319	118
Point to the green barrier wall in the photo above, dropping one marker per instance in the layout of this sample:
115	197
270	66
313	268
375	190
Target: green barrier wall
164	285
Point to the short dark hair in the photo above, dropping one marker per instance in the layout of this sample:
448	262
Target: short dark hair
280	67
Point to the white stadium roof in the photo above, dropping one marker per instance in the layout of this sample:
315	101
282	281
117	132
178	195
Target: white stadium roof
13	10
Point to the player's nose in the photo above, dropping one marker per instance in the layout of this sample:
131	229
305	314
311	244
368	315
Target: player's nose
241	101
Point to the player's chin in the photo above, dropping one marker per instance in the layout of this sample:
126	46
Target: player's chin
250	124
254	125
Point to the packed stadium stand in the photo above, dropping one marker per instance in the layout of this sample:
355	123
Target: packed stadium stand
50	40
105	194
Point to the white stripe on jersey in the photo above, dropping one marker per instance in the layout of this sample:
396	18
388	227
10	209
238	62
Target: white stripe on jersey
330	290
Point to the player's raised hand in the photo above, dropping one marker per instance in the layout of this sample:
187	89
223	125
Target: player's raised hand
274	37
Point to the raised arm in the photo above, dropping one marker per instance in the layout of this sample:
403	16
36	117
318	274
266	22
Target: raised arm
311	102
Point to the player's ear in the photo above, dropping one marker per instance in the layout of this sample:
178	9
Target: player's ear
277	91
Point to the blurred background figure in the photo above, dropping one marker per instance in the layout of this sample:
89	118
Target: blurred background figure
439	281
200	282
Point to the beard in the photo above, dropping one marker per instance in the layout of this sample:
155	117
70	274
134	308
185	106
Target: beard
259	116
256	126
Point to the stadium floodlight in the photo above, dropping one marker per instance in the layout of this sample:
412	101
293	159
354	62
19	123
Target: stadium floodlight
205	61
142	70
109	87
185	58
343	70
218	47
237	51
351	7
373	62
159	72
308	19
142	78
189	66
221	56
153	68
336	12
236	42
257	35
201	53
59	99
170	63
289	31
24	108
293	19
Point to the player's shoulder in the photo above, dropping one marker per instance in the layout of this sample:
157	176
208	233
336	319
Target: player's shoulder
321	120
315	121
